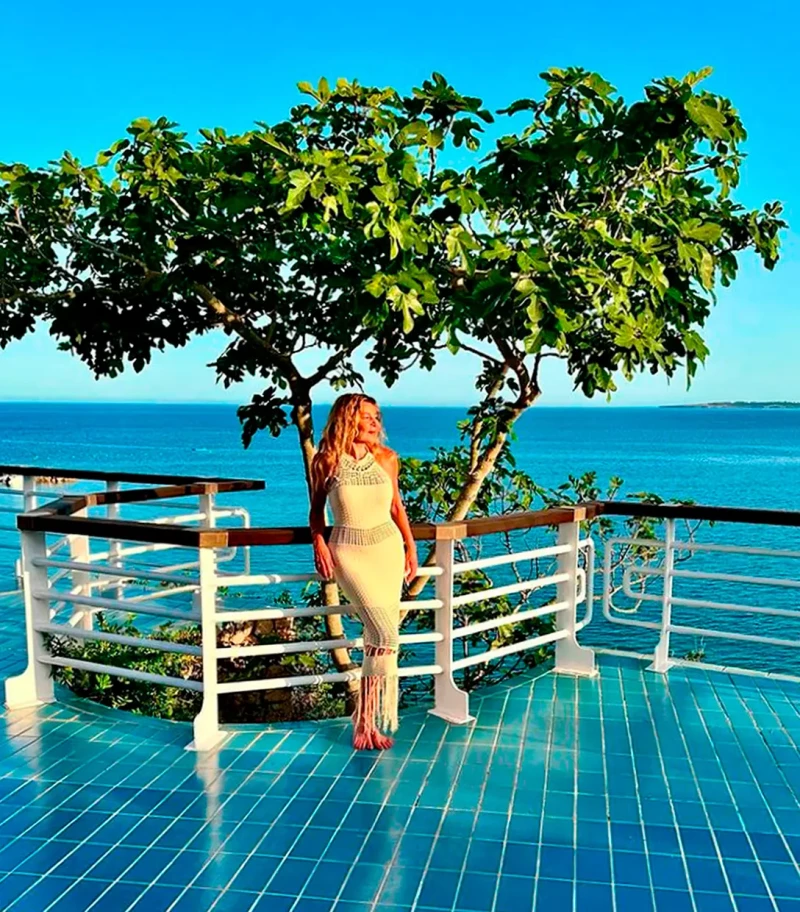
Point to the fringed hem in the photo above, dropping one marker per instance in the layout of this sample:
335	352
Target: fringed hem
379	693
376	706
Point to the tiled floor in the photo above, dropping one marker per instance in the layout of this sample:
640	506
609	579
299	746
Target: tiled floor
630	793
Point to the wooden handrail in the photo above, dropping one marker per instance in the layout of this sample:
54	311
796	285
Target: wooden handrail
95	475
59	516
697	512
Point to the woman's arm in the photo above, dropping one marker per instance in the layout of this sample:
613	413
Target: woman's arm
398	511
316	514
323	559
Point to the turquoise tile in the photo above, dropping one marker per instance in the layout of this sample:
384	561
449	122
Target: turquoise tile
156	899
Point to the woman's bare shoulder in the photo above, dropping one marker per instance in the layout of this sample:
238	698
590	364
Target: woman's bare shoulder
386	455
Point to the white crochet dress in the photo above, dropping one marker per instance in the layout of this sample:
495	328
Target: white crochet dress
368	552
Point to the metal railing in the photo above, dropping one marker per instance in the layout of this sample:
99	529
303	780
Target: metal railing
636	573
81	583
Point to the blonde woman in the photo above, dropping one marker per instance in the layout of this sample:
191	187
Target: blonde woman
370	550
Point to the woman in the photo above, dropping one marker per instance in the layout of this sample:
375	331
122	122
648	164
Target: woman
370	551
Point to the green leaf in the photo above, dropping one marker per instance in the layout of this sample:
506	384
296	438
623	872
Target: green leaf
706	269
707	116
709	232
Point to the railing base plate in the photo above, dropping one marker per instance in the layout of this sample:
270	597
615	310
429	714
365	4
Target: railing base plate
453	720
210	744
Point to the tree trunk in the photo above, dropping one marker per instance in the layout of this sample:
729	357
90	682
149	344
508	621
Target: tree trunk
301	416
469	492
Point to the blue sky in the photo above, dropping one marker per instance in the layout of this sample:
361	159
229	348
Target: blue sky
79	78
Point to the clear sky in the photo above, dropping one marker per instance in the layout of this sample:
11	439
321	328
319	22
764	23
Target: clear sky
75	77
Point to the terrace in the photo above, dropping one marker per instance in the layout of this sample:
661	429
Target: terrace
598	780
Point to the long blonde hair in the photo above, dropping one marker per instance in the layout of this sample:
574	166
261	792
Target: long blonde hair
339	433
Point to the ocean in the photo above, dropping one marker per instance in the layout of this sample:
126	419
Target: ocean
734	457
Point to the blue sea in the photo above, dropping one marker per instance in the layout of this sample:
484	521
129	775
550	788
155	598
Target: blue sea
733	457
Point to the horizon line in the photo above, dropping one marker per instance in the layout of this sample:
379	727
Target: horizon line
416	405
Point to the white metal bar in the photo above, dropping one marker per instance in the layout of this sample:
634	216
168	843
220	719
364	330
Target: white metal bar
734	549
733	606
58	545
661	659
508	619
271	614
701	603
587	544
491	654
108	570
644	542
115	671
607	611
551	551
313	680
162	593
725	635
721	577
497	591
106	604
263	579
234	652
123	640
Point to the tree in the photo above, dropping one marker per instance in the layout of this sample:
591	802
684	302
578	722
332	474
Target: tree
596	235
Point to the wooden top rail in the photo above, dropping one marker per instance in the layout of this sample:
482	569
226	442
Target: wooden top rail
135	477
696	512
59	516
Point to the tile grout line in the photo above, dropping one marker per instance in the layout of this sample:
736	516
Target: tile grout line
730	790
670	801
626	717
600	703
478	803
517	768
548	749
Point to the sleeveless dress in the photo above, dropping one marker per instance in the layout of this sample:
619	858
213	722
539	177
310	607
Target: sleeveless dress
369	555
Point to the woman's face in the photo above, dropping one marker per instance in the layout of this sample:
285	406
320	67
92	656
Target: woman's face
369	424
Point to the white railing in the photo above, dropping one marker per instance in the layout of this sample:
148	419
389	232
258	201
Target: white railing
98	571
669	549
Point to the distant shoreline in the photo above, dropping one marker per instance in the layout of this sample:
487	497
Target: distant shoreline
739	405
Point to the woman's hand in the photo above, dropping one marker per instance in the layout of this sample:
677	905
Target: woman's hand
411	562
323	559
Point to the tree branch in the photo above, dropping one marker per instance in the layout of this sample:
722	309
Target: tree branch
337	357
480	354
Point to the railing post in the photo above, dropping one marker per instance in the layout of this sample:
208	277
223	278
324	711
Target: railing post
206	722
661	659
450	703
114	545
29	502
206	507
571	657
35	684
29	499
79	552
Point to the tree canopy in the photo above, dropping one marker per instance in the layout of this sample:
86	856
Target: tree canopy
595	231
